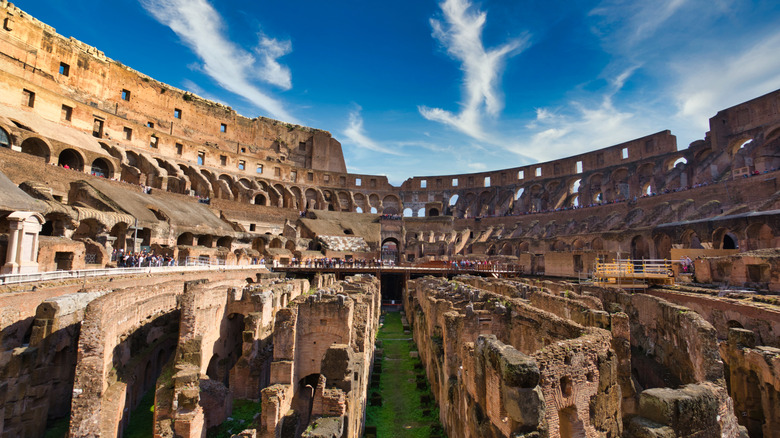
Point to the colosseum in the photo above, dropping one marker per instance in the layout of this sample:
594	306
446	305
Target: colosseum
171	268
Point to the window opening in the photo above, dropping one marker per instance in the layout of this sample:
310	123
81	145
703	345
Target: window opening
67	113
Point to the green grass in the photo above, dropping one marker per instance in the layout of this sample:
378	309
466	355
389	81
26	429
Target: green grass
401	413
142	418
241	418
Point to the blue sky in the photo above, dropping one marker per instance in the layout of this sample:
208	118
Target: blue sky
416	87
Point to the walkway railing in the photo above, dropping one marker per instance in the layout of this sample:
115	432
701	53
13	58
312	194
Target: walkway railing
91	273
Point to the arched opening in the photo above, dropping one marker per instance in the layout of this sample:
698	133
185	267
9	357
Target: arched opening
453	200
759	236
373	210
519	193
225	242
5	139
678	161
290	245
70	159
275	243
260	200
36	146
100	167
663	246
205	240
433	212
421	212
358	210
185	239
730	241
639	248
390	250
407	212
575	186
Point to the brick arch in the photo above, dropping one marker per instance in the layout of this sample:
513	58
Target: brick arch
39	147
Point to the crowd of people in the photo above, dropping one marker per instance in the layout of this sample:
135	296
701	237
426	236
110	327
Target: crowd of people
140	259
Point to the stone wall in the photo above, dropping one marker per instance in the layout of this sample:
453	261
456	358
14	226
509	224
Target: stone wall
323	351
500	367
222	352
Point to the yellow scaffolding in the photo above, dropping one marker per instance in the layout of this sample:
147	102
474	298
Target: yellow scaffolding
629	273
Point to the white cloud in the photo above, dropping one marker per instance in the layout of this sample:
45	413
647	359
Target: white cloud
461	35
707	86
270	70
587	126
200	27
357	136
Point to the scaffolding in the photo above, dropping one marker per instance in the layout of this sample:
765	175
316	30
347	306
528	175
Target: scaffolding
633	274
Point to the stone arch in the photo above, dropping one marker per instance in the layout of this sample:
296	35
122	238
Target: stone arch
373	200
258	244
391	249
663	246
186	239
759	236
640	248
297	195
597	244
690	240
360	202
432	212
225	241
312	198
275	243
391	204
344	201
524	247
620	185
39	148
71	158
205	240
578	245
723	238
102	167
260	199
738	143
507	249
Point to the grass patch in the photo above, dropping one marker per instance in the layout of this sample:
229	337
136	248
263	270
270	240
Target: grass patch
401	413
142	418
244	412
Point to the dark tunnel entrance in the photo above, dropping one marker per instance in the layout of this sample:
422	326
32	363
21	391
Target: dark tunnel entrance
392	289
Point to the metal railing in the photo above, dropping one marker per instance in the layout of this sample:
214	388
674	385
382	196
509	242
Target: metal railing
91	273
628	268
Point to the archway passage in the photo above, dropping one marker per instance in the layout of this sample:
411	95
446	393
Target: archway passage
36	146
390	250
730	241
100	167
71	159
260	200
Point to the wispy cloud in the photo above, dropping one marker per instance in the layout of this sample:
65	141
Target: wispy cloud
357	136
708	85
201	28
461	35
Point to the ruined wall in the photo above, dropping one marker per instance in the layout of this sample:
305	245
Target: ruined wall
560	375
323	350
121	332
222	352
